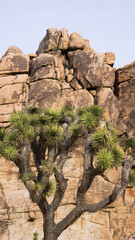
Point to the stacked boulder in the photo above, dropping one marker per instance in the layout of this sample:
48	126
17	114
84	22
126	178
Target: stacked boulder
67	69
14	68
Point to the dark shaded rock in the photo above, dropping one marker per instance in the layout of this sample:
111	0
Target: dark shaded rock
126	73
108	100
44	93
49	42
91	70
126	97
15	63
64	39
42	67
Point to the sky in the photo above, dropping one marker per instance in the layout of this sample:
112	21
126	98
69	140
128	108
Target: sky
108	24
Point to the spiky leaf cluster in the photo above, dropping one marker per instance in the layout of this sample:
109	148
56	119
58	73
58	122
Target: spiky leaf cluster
104	137
28	177
90	116
108	158
104	159
53	134
9	152
118	154
38	186
75	129
2	133
50	188
21	124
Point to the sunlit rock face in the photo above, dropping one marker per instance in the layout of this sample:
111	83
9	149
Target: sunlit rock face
65	69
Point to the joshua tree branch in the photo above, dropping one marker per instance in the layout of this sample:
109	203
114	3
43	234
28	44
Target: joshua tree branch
61	188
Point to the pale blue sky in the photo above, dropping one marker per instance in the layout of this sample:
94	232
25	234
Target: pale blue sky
108	24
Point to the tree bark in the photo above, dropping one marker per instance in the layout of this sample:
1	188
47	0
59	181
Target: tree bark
48	226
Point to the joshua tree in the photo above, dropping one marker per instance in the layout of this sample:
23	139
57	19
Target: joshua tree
49	135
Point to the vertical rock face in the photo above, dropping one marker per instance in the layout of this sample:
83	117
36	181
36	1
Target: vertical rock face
125	92
66	70
14	68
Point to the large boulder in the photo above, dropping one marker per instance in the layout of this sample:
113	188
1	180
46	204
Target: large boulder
76	42
13	50
64	39
49	42
53	94
126	97
125	92
14	63
106	98
91	70
125	73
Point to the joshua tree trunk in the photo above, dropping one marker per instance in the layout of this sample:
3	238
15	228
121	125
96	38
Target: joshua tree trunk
48	226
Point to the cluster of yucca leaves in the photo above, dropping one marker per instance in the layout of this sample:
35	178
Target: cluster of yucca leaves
48	124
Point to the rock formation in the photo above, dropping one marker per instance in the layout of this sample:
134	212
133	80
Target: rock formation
65	69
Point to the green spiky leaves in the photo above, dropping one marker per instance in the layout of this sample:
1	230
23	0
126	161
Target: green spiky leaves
104	159
88	120
2	133
75	129
53	134
50	188
108	158
28	177
104	137
90	116
9	152
21	123
118	154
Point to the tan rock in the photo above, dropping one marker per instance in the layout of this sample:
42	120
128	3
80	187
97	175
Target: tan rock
9	80
107	99
91	70
71	71
45	93
13	50
64	39
32	55
129	196
126	98
6	109
43	73
69	78
126	73
42	60
79	98
75	85
102	190
109	58
16	63
13	93
49	42
76	42
65	85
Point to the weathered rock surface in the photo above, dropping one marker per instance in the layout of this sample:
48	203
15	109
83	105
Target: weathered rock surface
125	92
91	70
108	100
49	42
15	63
76	42
64	39
66	70
13	50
